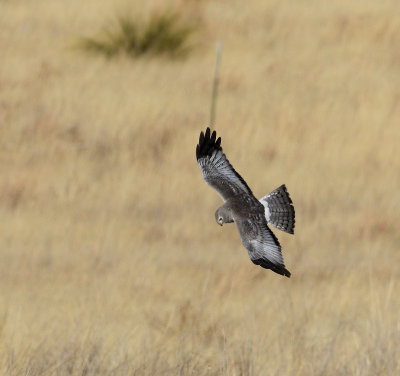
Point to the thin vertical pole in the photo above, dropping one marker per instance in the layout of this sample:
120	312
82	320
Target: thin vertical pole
215	85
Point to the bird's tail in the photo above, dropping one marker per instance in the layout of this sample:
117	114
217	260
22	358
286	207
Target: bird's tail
279	209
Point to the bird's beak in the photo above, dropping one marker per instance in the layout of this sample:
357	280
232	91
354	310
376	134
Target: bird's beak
220	224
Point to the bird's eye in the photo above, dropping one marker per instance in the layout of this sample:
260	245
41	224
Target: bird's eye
220	219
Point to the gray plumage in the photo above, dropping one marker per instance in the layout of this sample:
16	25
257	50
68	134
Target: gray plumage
250	215
279	210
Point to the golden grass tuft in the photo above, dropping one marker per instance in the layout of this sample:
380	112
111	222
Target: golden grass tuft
110	259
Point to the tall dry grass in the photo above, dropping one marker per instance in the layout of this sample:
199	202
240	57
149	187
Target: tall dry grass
111	262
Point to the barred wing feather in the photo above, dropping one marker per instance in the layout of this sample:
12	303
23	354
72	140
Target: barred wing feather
262	245
216	169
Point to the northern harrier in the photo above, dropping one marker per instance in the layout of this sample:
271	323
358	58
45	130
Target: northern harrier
250	215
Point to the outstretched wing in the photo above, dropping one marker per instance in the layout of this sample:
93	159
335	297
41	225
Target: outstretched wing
216	169
261	244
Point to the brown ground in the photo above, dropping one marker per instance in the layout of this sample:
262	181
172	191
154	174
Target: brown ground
111	262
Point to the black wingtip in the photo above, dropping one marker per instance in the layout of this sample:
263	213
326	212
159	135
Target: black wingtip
279	269
208	143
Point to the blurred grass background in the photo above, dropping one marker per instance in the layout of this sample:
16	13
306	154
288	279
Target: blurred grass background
111	261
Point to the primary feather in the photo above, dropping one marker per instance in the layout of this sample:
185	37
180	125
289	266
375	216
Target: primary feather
216	169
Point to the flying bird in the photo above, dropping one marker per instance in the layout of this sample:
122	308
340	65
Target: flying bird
251	215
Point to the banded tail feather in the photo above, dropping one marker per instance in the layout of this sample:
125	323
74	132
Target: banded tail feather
279	210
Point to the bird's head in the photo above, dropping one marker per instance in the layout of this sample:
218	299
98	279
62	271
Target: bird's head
220	217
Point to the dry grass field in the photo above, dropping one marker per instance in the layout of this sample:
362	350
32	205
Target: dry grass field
111	262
